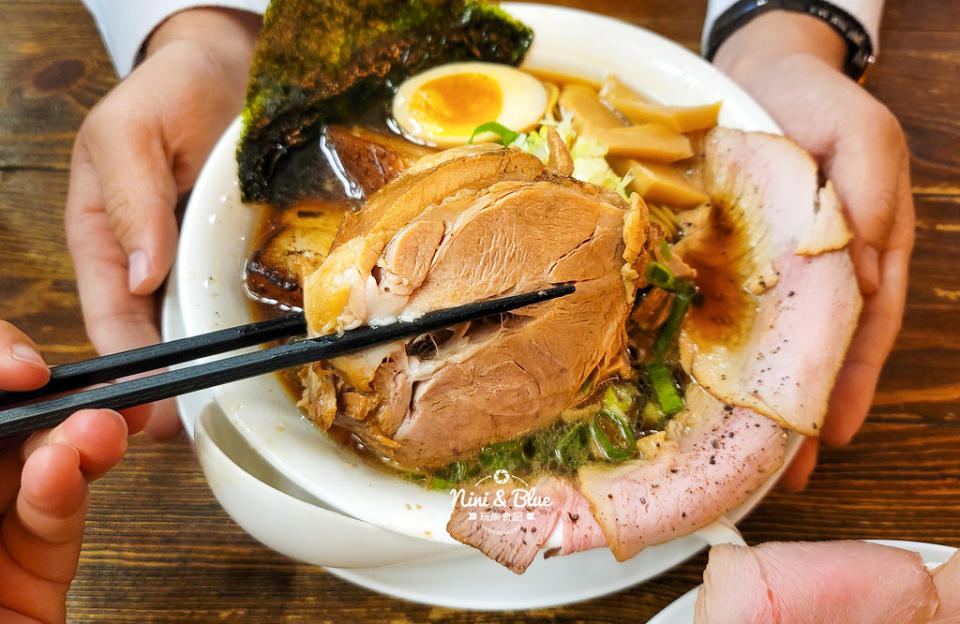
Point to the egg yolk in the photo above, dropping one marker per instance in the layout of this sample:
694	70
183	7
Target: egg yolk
455	105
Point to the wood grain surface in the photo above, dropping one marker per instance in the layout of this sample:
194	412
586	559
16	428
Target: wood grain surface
160	549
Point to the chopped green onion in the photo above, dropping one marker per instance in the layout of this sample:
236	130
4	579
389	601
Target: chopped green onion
651	418
572	449
664	387
617	400
531	450
416	477
627	443
659	275
449	476
507	136
665	250
436	483
685	293
681	303
458	471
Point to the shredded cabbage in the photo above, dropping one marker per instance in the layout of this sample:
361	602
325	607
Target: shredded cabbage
590	165
533	143
564	126
589	156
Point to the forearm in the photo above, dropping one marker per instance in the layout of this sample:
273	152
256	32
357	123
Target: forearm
226	28
866	12
126	25
225	36
779	34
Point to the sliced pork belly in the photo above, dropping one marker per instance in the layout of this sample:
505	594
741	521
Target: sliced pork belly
771	247
515	540
465	225
947	580
712	458
844	582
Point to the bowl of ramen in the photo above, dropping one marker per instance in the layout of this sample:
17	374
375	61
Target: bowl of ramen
480	152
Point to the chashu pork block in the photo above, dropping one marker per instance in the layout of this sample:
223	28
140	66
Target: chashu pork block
465	225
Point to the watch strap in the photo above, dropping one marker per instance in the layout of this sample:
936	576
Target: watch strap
860	46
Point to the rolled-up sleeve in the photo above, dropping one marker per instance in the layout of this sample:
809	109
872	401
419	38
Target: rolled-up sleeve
125	24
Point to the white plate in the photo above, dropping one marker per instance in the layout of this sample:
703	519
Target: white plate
681	610
214	246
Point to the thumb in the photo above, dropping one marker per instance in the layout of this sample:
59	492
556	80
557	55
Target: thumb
139	191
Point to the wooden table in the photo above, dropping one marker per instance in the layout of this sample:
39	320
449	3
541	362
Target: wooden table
160	549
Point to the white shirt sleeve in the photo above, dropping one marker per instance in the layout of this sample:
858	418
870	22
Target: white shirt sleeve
125	24
867	12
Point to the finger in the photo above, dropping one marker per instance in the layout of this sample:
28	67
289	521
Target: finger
43	534
876	332
797	474
139	192
138	417
164	420
21	366
115	318
869	147
98	436
9	478
856	383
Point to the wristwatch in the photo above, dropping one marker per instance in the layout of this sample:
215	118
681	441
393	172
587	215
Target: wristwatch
859	46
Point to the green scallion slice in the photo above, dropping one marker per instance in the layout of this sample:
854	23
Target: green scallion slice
625	444
665	250
659	275
664	387
681	303
572	451
507	136
617	400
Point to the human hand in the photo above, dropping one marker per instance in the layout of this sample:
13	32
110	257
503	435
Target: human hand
43	492
790	64
137	151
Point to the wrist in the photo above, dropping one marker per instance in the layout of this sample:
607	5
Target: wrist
229	33
779	34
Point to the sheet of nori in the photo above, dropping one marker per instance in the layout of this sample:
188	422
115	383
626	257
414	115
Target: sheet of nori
320	61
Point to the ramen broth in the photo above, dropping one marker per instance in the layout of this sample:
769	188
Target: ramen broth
719	318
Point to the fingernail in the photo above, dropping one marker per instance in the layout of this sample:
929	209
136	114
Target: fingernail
868	270
26	354
137	270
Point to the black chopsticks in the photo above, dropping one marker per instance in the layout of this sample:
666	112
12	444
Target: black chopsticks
85	373
47	413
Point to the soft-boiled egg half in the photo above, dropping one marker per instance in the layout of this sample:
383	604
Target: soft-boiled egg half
442	106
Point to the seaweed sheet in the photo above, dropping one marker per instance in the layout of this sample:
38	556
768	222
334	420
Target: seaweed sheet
318	61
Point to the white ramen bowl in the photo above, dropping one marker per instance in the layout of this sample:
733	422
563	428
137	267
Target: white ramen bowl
216	238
